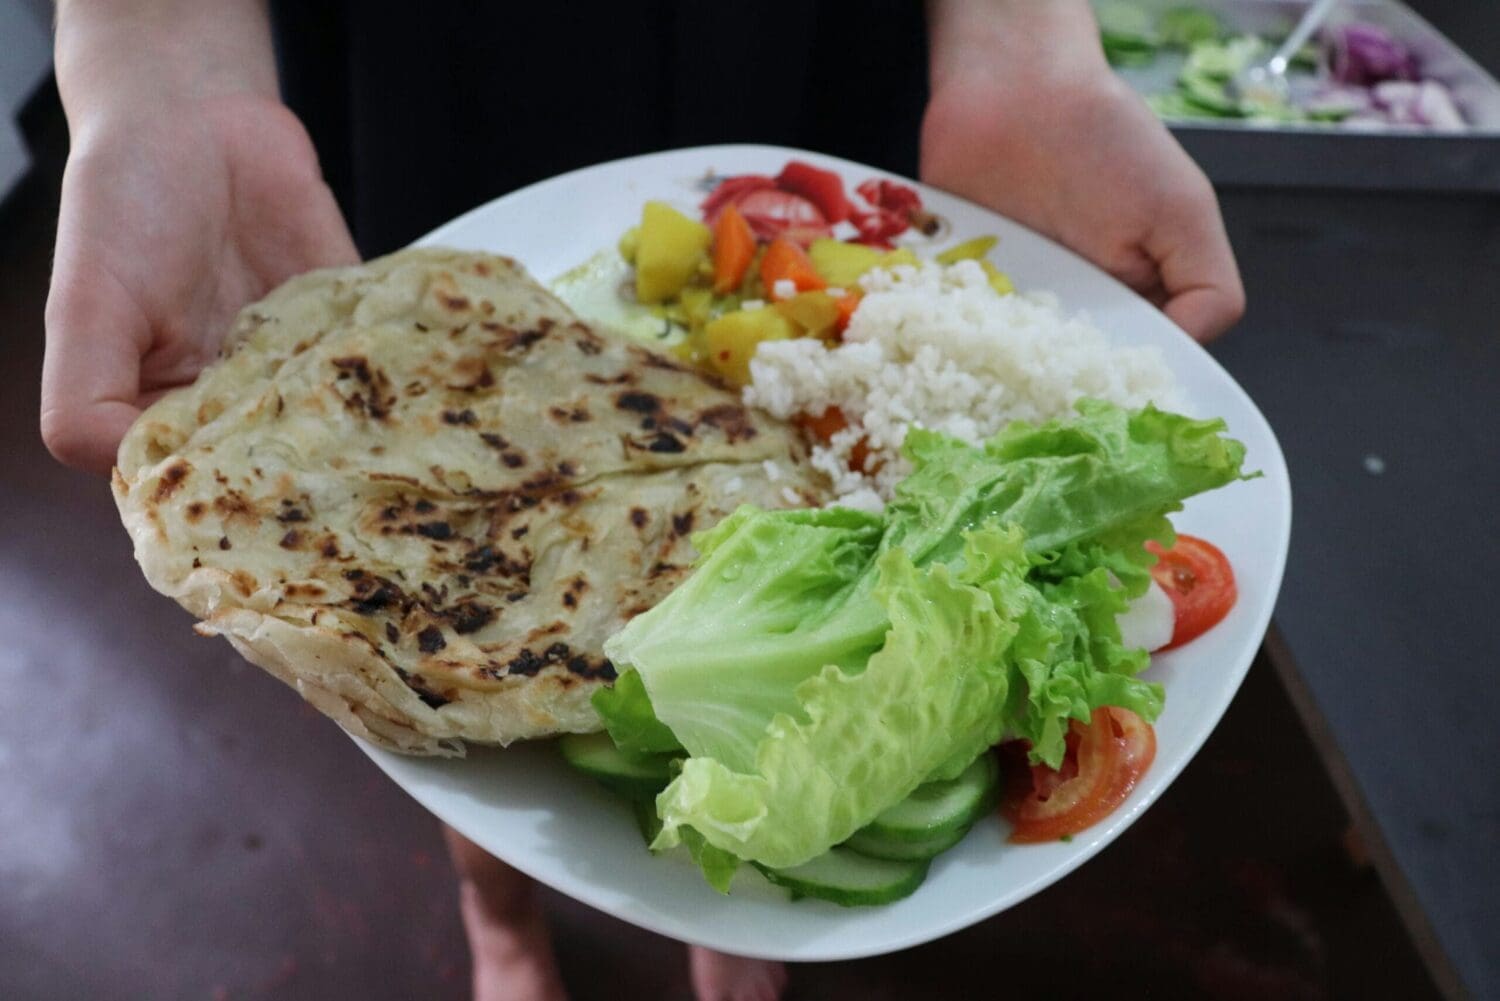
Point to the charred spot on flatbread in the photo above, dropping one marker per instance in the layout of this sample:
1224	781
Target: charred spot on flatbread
423	493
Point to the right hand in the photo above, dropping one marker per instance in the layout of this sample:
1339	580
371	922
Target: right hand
180	204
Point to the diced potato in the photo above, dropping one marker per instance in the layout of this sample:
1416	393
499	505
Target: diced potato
816	313
731	340
999	280
691	350
969	250
697	306
628	242
901	255
840	264
669	251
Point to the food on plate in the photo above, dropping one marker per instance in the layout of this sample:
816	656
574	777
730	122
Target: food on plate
765	263
820	666
1105	759
817	701
668	250
423	493
938	347
1198	579
859	342
835	512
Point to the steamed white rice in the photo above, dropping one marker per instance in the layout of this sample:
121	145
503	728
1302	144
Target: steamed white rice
937	347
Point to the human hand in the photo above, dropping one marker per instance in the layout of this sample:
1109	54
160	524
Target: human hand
189	191
1026	118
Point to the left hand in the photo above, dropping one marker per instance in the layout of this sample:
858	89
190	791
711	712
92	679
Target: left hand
1027	118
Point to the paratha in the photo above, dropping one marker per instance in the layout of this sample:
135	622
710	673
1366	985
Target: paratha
423	493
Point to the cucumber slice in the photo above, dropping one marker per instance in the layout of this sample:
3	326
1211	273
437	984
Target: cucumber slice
877	845
938	809
850	879
646	819
636	776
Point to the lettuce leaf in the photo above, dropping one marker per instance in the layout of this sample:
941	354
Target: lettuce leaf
862	741
819	665
630	720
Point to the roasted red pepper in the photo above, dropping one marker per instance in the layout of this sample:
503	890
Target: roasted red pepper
892	207
823	188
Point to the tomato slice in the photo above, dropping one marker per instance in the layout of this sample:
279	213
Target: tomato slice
1200	582
1104	761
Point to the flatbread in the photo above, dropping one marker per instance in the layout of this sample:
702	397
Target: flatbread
423	493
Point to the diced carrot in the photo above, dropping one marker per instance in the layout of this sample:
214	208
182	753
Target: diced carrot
734	248
859	454
847	304
829	423
786	261
825	425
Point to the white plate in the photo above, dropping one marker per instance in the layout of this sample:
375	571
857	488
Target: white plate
528	808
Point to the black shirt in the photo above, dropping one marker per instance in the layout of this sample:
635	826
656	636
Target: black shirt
421	111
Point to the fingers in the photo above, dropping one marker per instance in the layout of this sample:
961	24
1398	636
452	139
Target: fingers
502	890
96	335
1204	295
289	190
326	240
314	234
1206	313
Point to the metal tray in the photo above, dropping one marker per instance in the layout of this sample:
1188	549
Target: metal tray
1246	154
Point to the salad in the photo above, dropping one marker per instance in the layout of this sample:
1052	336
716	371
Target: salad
1358	75
835	696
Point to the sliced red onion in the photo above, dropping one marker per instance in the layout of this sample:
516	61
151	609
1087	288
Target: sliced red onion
1340	99
1361	53
1436	108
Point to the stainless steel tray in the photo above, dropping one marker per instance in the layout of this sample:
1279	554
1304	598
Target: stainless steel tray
1237	153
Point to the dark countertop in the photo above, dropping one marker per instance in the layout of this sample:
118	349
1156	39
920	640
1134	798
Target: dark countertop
1373	346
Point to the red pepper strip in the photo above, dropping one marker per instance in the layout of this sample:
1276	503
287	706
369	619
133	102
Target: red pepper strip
876	228
900	198
823	188
893	206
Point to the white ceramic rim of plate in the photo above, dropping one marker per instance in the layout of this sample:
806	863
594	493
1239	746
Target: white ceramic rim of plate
693	926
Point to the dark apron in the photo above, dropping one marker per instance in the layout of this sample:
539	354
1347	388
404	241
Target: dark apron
423	110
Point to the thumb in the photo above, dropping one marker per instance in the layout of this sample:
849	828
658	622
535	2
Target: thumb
1204	295
96	335
323	239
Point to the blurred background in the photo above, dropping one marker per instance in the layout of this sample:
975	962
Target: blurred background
175	823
